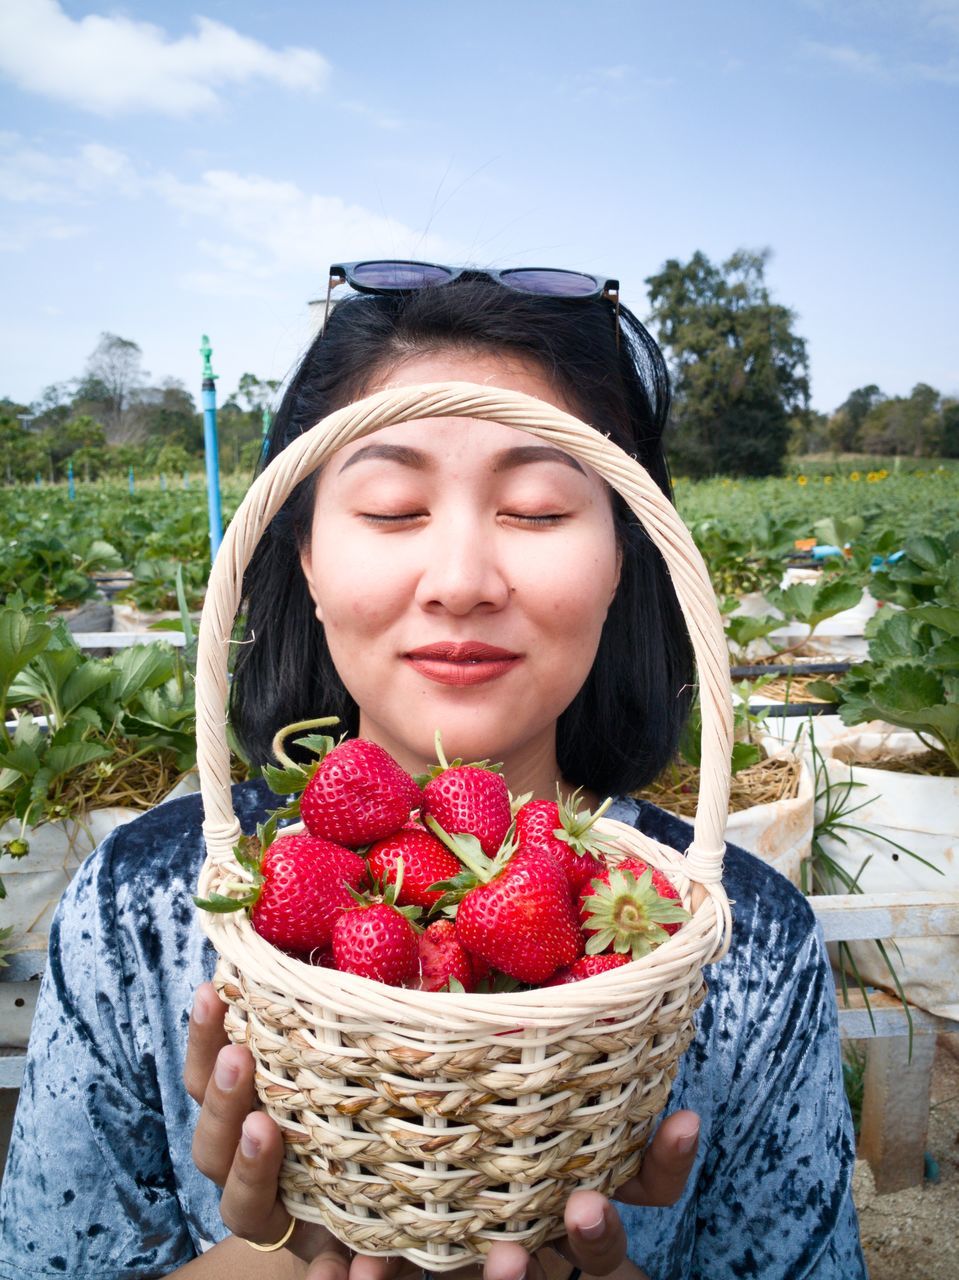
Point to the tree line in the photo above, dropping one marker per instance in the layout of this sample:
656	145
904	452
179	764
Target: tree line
112	417
739	371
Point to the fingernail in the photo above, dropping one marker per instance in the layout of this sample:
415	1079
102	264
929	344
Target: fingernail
593	1230
686	1141
199	1012
225	1073
248	1144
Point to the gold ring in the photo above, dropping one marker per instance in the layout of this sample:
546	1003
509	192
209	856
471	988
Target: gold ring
272	1248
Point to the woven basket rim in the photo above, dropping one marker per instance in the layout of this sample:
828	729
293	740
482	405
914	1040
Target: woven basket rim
236	938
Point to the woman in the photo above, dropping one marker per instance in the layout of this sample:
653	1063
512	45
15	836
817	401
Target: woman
456	575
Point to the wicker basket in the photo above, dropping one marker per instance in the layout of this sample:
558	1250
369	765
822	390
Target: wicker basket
431	1124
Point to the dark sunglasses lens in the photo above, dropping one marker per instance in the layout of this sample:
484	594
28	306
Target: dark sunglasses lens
398	275
558	284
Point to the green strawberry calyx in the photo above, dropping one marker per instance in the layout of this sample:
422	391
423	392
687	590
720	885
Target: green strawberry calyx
248	851
444	765
478	868
576	824
292	776
629	914
387	891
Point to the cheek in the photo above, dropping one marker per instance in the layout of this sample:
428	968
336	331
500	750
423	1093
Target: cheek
356	592
571	587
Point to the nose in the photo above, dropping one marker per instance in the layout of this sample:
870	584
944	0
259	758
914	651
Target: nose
462	571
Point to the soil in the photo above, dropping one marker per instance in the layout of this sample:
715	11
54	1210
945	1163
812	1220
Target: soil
914	1234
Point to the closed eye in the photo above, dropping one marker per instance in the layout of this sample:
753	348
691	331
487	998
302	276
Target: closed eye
552	518
405	517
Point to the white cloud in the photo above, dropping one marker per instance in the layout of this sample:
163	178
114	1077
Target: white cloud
265	226
844	55
110	65
249	229
866	63
31	176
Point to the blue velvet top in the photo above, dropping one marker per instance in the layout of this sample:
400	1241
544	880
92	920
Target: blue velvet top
99	1180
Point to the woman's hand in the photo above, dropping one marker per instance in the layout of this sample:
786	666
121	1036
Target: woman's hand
241	1149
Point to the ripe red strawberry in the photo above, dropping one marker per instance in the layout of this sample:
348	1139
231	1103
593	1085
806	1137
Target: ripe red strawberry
514	912
586	966
358	794
631	907
376	941
468	799
554	827
425	862
299	887
444	958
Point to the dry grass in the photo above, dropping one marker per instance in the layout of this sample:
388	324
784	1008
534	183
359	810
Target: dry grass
765	782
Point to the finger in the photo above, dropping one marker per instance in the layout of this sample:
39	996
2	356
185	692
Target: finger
249	1206
331	1262
594	1233
667	1163
383	1267
207	1038
228	1099
506	1261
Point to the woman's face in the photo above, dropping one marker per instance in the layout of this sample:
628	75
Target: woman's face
462	571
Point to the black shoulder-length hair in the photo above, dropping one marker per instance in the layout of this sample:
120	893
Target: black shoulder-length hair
623	726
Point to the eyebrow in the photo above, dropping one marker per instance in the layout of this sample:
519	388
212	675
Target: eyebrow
508	459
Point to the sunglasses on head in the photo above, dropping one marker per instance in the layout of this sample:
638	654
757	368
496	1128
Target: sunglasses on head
399	276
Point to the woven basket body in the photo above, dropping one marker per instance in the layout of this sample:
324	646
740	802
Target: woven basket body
431	1124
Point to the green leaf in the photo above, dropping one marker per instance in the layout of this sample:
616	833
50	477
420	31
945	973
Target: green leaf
282	782
84	681
744	754
22	760
823	689
894	639
142	666
939	616
741	629
833	596
797	601
21	639
928	552
64	759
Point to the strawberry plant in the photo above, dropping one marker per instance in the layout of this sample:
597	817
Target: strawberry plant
87	731
911	676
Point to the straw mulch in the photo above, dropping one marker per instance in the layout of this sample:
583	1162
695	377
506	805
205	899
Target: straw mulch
765	782
793	689
130	782
931	764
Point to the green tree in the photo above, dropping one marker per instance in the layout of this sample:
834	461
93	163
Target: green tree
22	452
949	429
904	424
846	423
740	373
167	415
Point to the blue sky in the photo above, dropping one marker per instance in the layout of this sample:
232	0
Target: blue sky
169	170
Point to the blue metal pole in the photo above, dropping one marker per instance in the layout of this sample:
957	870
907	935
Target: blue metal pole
71	486
39	481
131	481
210	449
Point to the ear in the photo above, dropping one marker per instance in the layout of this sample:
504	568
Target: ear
306	564
619	571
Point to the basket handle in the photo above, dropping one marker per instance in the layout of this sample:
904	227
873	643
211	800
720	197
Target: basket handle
511	408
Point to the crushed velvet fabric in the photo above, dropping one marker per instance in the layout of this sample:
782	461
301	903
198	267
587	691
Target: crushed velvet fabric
99	1180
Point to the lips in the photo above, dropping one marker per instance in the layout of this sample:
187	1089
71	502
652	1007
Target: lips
466	662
